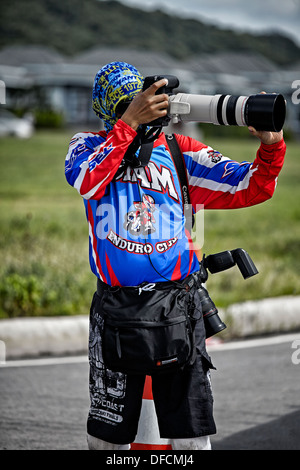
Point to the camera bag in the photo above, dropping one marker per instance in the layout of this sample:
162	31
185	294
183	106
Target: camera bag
147	330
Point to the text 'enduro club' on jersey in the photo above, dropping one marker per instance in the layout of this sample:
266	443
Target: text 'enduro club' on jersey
138	214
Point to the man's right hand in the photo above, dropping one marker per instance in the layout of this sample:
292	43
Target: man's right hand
147	106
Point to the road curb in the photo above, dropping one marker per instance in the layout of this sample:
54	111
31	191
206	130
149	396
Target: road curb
266	316
34	337
31	337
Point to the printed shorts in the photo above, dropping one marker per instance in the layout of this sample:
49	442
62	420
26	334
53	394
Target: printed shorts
183	399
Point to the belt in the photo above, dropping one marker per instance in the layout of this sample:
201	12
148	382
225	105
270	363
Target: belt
187	283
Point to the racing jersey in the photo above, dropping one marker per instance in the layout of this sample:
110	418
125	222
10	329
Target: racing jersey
136	223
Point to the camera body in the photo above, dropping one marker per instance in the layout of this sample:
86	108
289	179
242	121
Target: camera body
215	264
173	82
263	111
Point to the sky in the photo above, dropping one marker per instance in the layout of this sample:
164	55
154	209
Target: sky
253	15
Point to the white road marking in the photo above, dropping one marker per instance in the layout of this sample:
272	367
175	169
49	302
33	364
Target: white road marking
46	361
253	343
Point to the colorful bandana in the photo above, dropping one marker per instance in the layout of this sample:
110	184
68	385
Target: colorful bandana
113	83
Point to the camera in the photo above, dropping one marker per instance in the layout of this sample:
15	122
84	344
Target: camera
217	263
263	111
173	82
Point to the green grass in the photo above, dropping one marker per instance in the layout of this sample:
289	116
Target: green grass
44	237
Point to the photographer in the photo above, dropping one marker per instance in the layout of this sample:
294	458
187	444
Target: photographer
126	207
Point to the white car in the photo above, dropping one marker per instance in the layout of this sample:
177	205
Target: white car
15	126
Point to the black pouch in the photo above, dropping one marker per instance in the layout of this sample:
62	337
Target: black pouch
147	331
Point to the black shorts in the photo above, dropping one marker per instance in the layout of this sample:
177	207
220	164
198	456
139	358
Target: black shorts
183	399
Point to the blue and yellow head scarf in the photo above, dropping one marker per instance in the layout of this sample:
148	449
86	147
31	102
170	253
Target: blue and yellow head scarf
114	83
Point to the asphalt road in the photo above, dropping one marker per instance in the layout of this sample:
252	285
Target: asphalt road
44	404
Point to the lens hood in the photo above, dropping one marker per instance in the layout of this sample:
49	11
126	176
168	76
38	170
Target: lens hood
265	111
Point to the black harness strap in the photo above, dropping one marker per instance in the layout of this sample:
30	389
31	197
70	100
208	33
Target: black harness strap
182	175
145	153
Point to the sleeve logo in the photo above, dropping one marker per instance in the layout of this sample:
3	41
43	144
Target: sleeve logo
100	156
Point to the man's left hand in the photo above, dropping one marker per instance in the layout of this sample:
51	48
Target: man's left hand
266	137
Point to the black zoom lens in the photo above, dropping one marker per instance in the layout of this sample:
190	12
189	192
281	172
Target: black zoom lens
264	111
212	322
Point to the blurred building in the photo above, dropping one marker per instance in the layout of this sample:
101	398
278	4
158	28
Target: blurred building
38	77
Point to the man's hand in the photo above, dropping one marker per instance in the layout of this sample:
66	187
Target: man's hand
266	137
147	106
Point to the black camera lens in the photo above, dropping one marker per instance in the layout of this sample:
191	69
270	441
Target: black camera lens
212	322
265	112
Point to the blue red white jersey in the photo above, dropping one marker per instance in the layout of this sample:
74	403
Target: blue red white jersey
136	224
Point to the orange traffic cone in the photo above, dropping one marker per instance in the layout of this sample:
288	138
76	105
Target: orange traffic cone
148	437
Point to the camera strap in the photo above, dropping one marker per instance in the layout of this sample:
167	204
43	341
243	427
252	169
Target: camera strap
144	141
182	175
145	153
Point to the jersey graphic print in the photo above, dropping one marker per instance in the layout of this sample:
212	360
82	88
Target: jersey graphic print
214	155
139	213
140	221
154	177
101	156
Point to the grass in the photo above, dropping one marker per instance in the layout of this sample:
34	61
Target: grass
44	235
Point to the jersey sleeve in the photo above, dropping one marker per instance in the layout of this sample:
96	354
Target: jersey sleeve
93	159
217	182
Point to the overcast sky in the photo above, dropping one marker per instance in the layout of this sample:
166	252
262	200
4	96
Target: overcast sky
243	14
